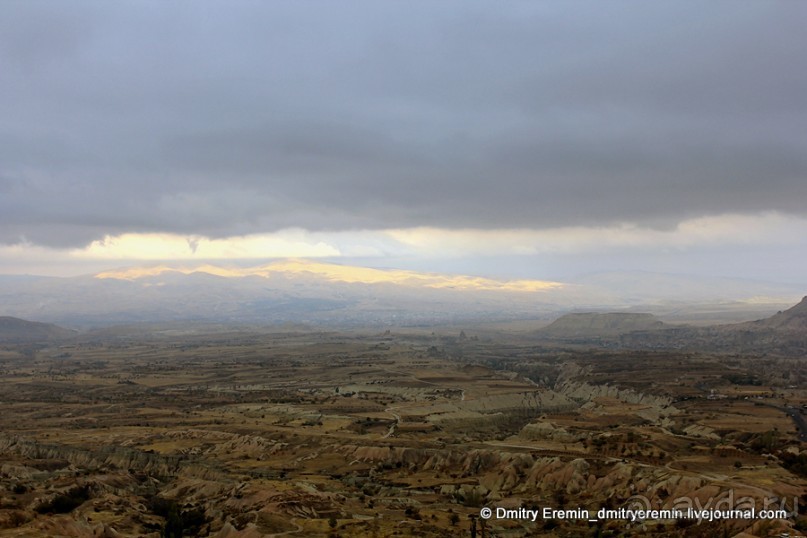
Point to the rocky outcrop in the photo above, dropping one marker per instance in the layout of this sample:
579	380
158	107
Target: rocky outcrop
487	413
228	531
65	526
584	392
539	431
704	432
110	456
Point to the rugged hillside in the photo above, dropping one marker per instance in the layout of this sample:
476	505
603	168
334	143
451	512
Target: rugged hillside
592	325
792	319
15	330
784	333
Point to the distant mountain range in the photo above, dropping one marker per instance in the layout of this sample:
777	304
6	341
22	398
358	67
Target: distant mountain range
287	291
310	294
317	293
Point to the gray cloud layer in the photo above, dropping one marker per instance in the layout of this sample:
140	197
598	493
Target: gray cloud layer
239	117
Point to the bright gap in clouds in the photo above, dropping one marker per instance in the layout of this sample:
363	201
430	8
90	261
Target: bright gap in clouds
737	235
285	244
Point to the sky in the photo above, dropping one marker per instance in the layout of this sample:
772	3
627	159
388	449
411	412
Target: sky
512	139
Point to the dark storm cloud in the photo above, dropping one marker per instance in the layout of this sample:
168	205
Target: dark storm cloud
240	117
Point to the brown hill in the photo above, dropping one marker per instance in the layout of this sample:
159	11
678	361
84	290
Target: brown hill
16	330
592	325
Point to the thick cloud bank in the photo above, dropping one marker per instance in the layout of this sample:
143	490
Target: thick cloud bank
229	119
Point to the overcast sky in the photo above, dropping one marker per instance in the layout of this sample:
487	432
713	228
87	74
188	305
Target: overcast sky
538	138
